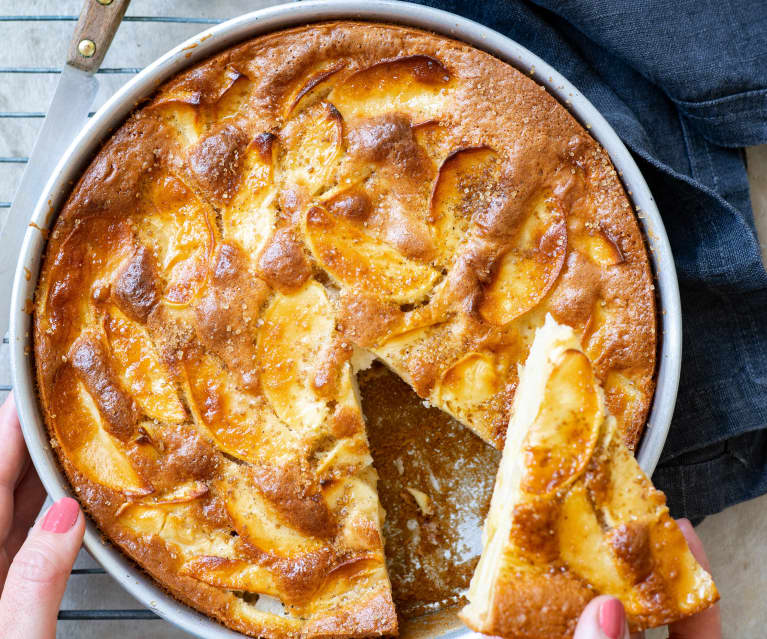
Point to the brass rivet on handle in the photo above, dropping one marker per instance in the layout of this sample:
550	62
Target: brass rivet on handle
86	48
104	2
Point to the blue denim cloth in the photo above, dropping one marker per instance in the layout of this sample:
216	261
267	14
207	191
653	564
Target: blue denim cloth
684	84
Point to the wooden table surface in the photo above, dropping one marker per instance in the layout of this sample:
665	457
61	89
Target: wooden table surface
35	36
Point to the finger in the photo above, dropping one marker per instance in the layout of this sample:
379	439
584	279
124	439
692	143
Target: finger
38	574
706	624
603	618
28	499
12	462
694	542
5	562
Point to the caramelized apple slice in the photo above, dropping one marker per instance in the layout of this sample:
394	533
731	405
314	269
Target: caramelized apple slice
433	137
249	218
470	381
82	268
562	438
79	430
594	332
242	424
355	259
520	283
582	543
233	96
414	85
464	183
295	329
232	574
142	519
189	108
140	370
179	525
310	91
311	145
597	246
257	523
188	89
365	572
529	268
179	228
182	493
182	118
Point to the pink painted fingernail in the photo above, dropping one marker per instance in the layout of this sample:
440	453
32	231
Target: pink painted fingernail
612	618
61	516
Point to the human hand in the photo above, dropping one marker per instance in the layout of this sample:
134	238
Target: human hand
604	617
34	563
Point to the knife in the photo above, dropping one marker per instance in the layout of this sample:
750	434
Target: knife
67	114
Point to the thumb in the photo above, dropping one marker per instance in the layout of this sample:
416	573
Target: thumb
708	623
38	574
603	618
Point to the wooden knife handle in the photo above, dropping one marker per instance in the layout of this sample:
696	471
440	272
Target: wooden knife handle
95	29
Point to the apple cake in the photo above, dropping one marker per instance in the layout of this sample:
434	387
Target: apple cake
259	230
573	515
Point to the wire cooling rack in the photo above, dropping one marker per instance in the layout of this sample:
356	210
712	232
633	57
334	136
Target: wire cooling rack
46	29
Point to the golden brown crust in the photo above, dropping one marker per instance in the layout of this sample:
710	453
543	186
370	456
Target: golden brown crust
216	161
89	359
631	543
375	617
293	493
192	369
135	288
227	333
528	608
283	262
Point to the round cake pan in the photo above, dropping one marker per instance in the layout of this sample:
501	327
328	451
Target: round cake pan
207	44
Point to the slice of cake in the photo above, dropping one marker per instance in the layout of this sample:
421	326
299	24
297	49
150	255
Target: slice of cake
573	516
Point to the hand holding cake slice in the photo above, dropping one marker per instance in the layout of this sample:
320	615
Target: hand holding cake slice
573	516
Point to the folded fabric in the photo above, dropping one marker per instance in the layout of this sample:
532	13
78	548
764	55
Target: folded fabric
684	84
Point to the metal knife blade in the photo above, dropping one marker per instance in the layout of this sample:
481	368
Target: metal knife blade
67	115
